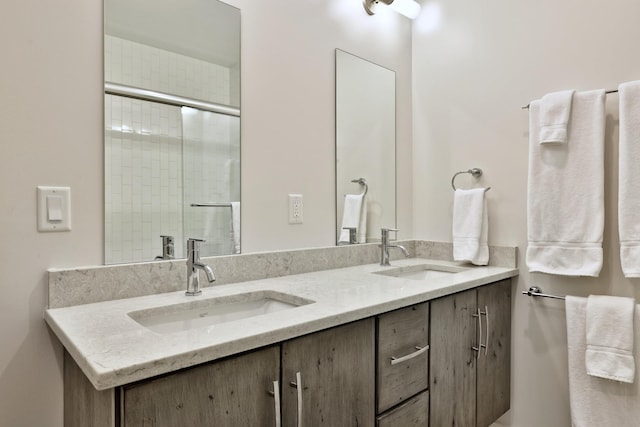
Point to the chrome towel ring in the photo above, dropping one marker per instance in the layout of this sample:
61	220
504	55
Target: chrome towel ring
362	182
475	172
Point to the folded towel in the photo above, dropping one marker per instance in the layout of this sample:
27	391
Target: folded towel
352	216
629	178
555	110
565	195
610	338
597	401
235	227
470	226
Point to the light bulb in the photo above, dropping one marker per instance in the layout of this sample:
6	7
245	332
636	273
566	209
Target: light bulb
409	8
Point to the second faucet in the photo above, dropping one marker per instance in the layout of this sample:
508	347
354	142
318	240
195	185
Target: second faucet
193	265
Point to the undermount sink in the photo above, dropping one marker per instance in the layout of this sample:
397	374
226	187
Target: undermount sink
422	271
201	313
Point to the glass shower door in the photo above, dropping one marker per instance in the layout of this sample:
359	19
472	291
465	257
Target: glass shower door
211	180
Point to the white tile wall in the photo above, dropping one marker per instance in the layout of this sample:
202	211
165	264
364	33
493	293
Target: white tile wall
145	157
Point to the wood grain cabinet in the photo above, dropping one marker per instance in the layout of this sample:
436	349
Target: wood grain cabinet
470	356
229	393
328	377
402	368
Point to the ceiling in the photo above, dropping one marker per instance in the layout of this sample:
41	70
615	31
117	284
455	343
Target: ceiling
203	29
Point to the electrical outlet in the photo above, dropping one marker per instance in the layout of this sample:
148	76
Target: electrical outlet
295	209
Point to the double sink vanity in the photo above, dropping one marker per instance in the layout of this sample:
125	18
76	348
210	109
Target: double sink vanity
302	338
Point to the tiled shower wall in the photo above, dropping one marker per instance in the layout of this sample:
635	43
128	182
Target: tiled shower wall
144	153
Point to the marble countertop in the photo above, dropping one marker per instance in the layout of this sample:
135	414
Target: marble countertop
112	349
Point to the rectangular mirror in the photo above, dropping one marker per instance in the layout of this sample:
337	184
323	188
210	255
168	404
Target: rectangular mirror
172	128
365	149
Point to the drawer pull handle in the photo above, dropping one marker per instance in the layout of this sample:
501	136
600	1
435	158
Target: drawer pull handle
420	350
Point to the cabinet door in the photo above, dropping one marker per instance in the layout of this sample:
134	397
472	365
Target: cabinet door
452	360
403	357
336	377
494	367
229	393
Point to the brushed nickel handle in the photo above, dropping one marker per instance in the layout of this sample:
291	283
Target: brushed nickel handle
420	350
276	398
298	385
486	345
477	349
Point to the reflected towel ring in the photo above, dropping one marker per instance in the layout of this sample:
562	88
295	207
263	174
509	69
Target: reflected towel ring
362	182
475	172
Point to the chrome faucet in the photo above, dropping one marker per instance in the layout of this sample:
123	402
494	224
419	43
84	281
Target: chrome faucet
193	265
167	248
384	247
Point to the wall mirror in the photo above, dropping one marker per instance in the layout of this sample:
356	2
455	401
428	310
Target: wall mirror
365	149
172	128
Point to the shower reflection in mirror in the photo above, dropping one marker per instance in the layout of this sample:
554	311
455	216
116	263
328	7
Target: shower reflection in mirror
172	129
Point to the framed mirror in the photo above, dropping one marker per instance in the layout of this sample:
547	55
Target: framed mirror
365	149
172	128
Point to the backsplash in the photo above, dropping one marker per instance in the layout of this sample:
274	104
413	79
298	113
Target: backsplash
68	287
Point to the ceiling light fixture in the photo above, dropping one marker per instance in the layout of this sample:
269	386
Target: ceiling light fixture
408	8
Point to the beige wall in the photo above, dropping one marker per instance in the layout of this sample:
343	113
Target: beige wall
51	119
472	73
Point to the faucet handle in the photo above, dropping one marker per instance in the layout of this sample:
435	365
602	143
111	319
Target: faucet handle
385	231
193	244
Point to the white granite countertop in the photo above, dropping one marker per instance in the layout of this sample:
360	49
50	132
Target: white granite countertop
112	349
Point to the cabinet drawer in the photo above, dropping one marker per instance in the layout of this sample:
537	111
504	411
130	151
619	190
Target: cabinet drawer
402	368
414	412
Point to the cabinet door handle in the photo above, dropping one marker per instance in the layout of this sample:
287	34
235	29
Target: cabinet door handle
276	398
477	349
420	350
486	345
298	385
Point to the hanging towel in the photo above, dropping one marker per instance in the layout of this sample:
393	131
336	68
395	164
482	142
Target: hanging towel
352	216
597	401
235	227
629	178
470	226
555	110
565	194
609	351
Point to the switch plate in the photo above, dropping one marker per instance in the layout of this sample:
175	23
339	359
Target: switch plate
54	208
295	209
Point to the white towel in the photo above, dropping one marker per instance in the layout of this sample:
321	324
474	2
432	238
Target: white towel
565	195
555	111
235	227
609	351
352	216
470	226
597	401
629	178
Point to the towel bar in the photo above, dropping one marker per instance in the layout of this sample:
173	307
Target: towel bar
526	107
535	291
475	172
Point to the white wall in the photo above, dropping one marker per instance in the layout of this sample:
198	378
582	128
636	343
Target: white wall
474	68
51	116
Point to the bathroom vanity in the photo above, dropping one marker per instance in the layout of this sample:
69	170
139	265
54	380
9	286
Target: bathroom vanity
358	346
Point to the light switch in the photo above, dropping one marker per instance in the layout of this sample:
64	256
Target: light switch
54	208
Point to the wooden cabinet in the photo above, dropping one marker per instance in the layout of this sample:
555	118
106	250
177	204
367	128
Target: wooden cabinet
412	413
328	377
402	368
229	393
470	356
